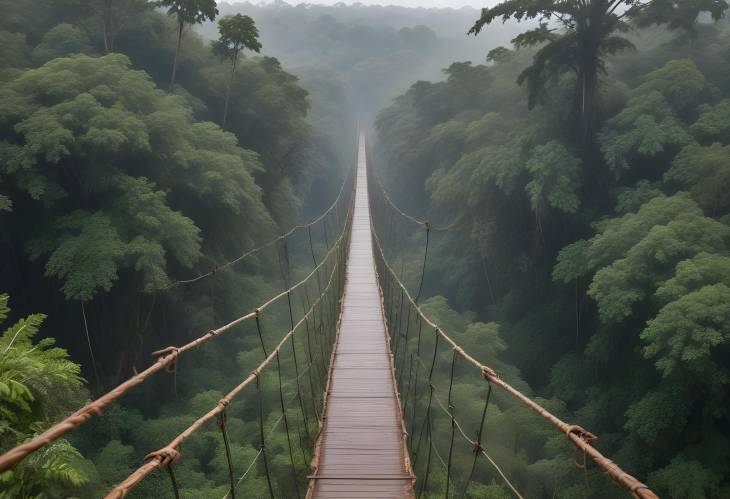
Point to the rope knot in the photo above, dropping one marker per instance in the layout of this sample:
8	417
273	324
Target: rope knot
489	373
169	353
95	410
166	456
581	433
428	225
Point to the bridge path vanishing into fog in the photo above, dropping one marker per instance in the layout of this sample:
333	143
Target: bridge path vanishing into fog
361	449
361	452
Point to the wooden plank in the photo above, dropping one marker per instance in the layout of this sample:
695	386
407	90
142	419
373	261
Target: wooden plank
361	450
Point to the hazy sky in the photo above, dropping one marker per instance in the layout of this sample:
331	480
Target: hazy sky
406	3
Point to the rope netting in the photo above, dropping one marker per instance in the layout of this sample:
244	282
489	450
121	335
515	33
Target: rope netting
294	330
465	438
296	371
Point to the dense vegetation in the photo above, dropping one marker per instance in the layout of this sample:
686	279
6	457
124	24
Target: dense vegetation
116	180
376	51
599	238
583	174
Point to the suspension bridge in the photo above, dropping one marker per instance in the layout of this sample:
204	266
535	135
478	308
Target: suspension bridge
362	379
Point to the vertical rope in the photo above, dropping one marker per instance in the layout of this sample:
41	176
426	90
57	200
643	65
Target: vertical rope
286	425
453	425
314	259
478	445
173	481
415	386
314	366
296	372
424	484
91	350
261	435
430	397
224	433
258	329
406	337
423	268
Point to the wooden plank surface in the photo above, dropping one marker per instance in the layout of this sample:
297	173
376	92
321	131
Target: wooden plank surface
361	451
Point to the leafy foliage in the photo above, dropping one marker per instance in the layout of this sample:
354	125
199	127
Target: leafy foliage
38	384
604	271
576	37
555	178
106	110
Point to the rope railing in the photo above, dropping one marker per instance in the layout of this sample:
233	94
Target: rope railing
395	293
168	357
396	209
170	454
281	237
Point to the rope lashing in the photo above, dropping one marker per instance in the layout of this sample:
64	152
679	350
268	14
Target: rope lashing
145	470
578	436
96	407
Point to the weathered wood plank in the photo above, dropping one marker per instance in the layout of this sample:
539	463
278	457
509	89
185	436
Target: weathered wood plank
361	451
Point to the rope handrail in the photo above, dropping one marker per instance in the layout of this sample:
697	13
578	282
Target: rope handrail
170	453
427	224
468	439
166	357
267	244
577	435
270	433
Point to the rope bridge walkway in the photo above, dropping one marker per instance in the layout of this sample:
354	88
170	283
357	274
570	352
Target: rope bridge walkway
362	395
361	452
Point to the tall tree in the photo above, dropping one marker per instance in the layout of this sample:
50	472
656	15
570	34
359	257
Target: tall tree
187	12
114	15
577	35
236	34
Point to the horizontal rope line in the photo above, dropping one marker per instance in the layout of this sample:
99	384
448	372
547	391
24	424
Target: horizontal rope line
473	443
166	357
271	432
574	433
267	244
162	456
413	219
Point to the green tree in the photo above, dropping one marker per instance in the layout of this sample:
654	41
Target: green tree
93	145
652	125
236	33
705	172
576	36
38	385
60	41
187	13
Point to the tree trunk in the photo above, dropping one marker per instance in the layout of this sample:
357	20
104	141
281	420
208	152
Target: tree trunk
228	88
108	28
181	25
588	98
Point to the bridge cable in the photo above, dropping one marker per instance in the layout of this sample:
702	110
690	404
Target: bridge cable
170	454
269	243
576	434
166	360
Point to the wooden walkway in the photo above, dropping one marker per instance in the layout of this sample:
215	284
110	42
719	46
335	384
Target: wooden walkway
361	451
